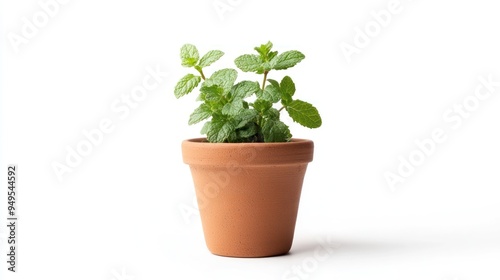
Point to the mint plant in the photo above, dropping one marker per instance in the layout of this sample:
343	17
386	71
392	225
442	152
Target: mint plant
245	111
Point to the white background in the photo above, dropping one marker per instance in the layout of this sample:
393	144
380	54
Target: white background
117	214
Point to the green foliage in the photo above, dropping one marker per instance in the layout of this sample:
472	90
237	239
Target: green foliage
250	63
189	55
186	85
229	116
287	60
304	113
209	58
224	79
276	131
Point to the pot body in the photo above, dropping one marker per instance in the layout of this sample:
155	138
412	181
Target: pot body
248	193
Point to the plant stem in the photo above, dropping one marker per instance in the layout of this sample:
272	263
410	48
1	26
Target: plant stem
201	73
265	80
281	109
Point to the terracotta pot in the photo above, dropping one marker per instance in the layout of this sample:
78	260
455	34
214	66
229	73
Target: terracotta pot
248	193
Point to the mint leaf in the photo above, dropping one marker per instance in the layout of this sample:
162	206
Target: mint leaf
286	60
270	93
262	105
249	63
220	130
287	90
189	55
210	57
210	93
206	127
199	114
275	84
244	89
186	84
223	78
271	55
276	131
264	50
287	86
245	116
233	108
304	113
271	114
247	131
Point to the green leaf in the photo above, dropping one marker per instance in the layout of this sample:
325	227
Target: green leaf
271	55
274	83
287	86
247	131
262	105
211	93
233	108
287	90
186	84
249	63
214	99
264	49
270	93
276	131
245	116
286	60
201	113
210	57
271	114
220	130
213	96
244	89
304	113
223	78
189	55
206	127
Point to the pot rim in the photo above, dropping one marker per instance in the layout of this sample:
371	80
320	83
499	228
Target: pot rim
203	140
198	151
